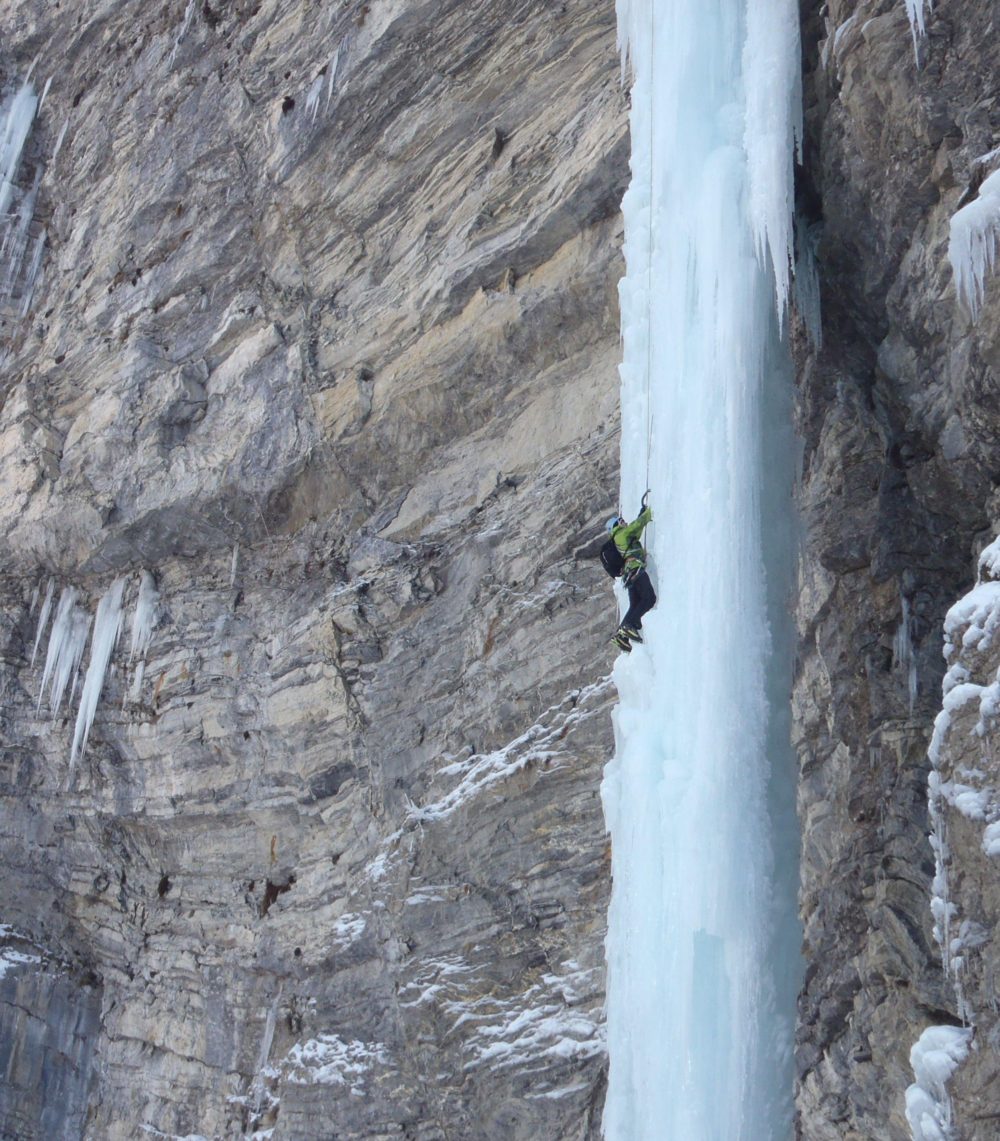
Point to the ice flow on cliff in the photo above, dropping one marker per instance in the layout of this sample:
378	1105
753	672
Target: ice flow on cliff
703	941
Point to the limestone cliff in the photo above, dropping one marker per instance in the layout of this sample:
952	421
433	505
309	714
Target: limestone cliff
322	349
899	422
324	340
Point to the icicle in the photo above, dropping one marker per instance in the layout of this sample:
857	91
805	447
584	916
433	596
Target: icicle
60	628
144	616
773	132
68	666
188	13
331	77
915	12
144	619
313	97
902	651
45	91
61	646
972	243
59	140
258	1089
44	616
107	626
234	565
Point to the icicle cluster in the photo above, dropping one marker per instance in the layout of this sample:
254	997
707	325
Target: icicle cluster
934	1058
16	216
314	96
107	626
21	250
68	639
66	643
915	11
972	243
772	134
143	621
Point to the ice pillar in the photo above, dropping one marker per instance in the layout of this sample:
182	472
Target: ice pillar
703	943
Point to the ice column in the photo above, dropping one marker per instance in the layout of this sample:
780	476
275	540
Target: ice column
703	941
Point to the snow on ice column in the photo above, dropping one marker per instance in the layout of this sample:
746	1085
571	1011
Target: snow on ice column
703	939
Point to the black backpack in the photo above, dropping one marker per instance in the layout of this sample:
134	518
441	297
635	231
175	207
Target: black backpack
612	559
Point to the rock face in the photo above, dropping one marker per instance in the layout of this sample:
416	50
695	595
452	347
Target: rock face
325	341
323	351
899	422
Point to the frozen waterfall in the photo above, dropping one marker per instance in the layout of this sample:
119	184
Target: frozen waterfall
703	939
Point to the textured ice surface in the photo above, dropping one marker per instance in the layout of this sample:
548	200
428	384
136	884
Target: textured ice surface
702	946
934	1057
972	243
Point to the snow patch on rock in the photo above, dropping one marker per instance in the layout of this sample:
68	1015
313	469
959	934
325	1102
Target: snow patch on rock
332	1060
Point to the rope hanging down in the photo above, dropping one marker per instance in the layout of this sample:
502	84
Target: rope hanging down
649	244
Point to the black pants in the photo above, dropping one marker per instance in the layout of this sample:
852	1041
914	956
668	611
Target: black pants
641	599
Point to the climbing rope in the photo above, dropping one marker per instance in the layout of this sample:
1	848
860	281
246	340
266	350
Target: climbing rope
649	249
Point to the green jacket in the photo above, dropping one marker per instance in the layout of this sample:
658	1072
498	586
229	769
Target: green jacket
627	537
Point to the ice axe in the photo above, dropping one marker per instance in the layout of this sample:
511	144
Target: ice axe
642	504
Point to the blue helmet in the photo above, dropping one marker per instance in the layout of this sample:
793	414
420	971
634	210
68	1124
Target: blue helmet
612	523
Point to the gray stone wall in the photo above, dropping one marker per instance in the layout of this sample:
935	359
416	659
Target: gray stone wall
326	340
899	425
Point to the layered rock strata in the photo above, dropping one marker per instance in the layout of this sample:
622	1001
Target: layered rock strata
324	341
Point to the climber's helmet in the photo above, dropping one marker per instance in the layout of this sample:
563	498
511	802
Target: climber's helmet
612	523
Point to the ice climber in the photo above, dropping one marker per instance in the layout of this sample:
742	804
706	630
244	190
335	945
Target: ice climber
624	555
